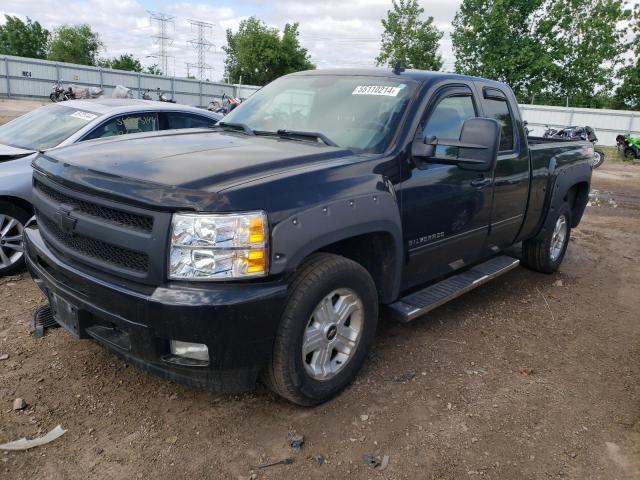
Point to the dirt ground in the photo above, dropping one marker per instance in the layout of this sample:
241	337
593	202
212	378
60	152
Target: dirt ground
529	377
10	109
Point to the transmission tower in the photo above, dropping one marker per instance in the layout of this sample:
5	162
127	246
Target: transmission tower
202	45
163	40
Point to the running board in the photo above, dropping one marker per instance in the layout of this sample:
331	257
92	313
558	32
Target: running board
412	306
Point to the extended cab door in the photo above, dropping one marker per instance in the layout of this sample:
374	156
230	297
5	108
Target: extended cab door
511	174
445	208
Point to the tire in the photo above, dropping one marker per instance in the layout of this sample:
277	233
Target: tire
305	379
53	98
538	254
598	158
12	221
631	151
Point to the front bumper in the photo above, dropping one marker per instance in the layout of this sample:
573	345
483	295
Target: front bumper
237	321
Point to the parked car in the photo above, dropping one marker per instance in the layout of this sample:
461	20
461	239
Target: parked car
65	124
267	246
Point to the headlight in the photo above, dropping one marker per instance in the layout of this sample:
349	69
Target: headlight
218	246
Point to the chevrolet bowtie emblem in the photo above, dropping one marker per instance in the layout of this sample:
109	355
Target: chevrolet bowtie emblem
65	221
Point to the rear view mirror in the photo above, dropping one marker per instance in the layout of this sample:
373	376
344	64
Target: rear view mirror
477	147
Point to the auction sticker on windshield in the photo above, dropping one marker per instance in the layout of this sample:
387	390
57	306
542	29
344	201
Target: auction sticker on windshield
376	90
83	115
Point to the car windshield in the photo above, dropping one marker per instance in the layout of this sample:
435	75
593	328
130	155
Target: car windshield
44	127
356	112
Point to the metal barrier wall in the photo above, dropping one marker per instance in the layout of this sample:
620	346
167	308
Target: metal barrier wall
29	77
607	123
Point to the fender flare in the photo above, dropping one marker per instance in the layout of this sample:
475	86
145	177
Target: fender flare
296	237
560	183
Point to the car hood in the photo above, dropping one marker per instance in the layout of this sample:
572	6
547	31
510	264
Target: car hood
7	152
202	161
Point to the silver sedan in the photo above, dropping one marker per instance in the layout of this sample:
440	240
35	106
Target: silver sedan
63	124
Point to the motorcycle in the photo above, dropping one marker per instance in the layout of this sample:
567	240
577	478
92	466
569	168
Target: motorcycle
225	105
145	95
73	92
577	133
163	98
59	93
629	145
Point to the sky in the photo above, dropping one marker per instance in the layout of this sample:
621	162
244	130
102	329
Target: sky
337	33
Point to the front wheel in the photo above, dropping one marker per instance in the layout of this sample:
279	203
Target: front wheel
12	221
545	252
598	158
328	324
53	97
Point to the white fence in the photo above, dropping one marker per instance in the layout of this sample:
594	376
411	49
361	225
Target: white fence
607	123
28	77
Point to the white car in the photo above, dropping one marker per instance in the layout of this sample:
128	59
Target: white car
61	124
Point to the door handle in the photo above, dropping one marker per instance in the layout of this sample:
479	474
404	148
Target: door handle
481	182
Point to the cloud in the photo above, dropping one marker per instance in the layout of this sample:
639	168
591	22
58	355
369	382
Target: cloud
337	33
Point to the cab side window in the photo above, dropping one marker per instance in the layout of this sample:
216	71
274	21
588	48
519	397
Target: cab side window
499	109
125	124
446	121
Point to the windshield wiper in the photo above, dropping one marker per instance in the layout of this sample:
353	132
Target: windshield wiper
238	127
298	133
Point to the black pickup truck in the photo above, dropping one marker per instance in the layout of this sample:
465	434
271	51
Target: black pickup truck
265	248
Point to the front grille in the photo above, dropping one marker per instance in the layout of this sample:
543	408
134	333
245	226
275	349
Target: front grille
112	215
97	249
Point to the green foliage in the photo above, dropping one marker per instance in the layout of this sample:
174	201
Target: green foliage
75	44
23	39
257	55
124	62
627	95
154	70
408	39
543	48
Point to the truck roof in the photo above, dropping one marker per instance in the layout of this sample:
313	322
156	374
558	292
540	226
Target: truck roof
421	76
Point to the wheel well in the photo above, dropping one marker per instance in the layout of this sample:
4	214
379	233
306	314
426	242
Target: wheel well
376	253
577	197
18	202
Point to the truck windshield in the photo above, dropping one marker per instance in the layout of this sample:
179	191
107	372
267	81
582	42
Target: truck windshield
44	127
356	112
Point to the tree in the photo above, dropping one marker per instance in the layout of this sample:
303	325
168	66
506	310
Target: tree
408	39
23	39
256	54
75	44
547	49
501	40
627	95
154	70
588	44
124	62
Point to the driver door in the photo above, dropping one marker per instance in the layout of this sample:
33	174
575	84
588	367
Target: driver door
446	208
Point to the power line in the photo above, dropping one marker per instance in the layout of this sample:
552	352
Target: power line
163	40
202	45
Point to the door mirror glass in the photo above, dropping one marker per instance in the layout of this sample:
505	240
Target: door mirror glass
476	149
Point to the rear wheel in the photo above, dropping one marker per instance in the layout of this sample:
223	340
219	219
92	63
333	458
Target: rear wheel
545	252
12	221
325	332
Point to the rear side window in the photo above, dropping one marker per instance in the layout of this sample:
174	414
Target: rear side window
125	124
448	117
186	120
499	110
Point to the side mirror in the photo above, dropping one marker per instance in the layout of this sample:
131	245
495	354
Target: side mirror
477	148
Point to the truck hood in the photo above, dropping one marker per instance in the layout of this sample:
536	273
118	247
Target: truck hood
202	160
